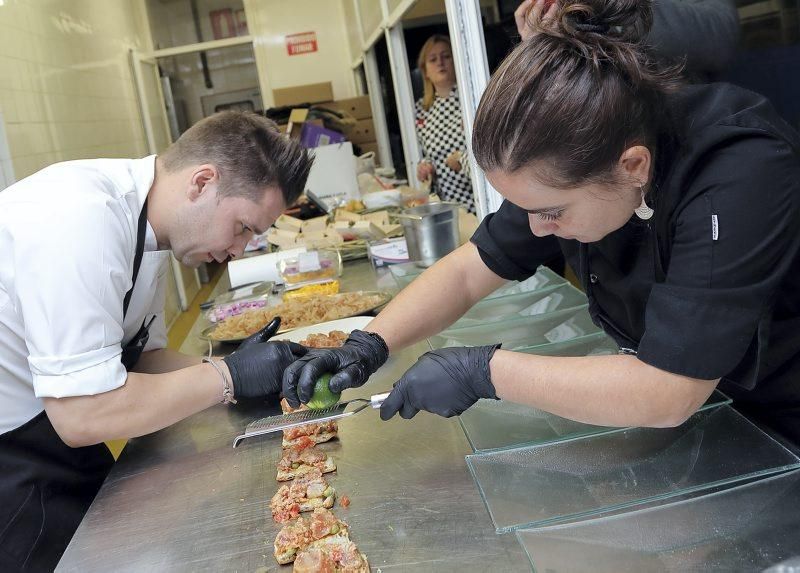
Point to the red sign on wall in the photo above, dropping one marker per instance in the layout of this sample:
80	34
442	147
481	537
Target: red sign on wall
303	43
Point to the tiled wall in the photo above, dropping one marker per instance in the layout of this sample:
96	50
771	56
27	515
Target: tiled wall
66	90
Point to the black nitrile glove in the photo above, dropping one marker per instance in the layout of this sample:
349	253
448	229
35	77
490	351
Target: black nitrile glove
446	382
262	335
257	366
352	364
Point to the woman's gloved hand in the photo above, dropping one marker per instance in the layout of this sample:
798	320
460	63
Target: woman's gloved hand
351	364
257	366
445	381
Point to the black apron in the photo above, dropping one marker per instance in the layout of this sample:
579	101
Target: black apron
46	487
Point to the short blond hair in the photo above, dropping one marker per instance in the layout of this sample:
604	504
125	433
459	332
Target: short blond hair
248	151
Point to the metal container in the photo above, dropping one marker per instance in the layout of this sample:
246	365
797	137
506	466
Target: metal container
431	231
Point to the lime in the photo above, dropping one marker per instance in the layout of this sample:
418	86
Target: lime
322	396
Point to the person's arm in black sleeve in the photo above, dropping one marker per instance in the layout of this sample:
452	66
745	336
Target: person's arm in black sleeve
503	248
734	246
703	33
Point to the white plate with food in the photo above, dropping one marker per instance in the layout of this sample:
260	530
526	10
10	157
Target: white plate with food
298	313
346	325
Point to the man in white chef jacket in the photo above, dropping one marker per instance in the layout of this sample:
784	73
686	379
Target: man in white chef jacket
84	249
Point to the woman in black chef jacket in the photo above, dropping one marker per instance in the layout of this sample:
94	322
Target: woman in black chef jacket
677	206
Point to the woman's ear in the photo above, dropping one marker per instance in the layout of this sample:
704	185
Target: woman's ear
635	163
199	181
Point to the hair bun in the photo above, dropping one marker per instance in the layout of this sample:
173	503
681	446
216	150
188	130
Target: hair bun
622	20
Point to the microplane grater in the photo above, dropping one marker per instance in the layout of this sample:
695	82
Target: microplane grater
285	421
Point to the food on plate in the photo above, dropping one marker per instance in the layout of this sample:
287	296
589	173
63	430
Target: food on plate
296	536
301	277
318	433
344	501
330	287
305	493
334	554
333	339
296	312
322	397
301	458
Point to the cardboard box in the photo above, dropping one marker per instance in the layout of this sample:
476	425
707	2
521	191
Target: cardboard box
362	132
358	107
369	146
310	93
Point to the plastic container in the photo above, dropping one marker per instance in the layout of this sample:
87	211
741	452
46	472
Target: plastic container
311	267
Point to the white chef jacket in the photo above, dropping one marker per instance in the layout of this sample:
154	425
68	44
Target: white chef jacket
67	244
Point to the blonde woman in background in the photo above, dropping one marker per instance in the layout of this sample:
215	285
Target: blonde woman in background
439	126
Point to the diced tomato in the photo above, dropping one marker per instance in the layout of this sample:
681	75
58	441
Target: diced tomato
303	442
295	510
344	501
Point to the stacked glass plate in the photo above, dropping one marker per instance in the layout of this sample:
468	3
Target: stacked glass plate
492	425
569	480
750	527
529	316
702	496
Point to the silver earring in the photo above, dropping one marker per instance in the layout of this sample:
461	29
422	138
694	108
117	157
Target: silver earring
643	211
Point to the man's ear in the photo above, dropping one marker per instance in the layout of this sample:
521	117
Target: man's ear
199	181
635	164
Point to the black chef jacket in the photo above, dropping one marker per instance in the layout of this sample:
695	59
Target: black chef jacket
710	287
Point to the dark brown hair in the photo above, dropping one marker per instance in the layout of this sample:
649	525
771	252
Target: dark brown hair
249	153
429	92
575	95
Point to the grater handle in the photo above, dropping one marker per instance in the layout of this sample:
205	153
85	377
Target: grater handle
377	399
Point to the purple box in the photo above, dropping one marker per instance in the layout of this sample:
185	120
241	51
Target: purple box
314	136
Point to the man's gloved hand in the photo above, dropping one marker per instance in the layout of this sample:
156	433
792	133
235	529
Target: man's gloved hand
352	364
262	335
446	382
257	366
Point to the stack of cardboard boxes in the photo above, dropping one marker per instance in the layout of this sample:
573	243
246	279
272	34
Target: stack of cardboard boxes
361	133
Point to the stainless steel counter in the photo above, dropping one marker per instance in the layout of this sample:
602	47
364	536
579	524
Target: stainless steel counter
183	499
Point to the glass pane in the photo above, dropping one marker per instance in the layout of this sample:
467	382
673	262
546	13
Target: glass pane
528	303
768	57
175	23
538	485
155	106
353	33
404	273
496	425
594	344
371	16
543	277
747	528
522	331
203	83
